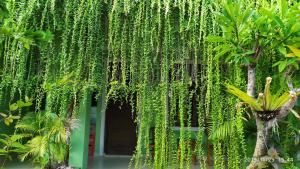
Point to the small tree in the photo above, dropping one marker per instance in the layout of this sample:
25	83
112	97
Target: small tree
249	33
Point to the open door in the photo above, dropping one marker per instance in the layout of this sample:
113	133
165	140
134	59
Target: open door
120	129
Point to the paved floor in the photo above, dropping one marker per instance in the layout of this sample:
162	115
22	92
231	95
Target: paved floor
18	165
115	162
110	162
107	162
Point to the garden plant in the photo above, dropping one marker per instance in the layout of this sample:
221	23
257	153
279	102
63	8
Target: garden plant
210	82
247	38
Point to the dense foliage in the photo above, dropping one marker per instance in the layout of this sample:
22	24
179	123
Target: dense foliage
151	53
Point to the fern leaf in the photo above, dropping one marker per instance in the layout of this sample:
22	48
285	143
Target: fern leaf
222	132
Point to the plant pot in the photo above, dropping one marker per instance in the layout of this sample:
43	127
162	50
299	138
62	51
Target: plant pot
267	115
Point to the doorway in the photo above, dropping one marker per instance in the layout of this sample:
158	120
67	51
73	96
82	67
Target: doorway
120	129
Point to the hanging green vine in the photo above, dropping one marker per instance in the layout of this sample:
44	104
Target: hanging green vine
154	54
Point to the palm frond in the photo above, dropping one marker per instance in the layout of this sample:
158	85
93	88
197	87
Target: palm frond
223	131
59	151
28	123
57	130
38	146
17	137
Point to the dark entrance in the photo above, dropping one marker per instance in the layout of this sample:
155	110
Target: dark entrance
120	129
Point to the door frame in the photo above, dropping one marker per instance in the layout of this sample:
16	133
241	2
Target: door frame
100	125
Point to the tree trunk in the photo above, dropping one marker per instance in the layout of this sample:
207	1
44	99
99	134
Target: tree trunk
251	80
261	144
262	129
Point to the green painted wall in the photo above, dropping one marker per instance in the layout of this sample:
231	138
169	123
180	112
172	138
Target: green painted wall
80	136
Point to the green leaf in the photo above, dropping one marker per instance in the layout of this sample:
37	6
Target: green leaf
296	65
26	45
48	36
25	41
279	21
295	113
244	97
282	66
8	120
13	107
27	104
223	131
15	117
47	86
283	7
249	52
281	100
248	13
222	53
266	12
222	46
3	115
295	28
227	12
215	39
290	55
282	50
24	156
6	31
3	151
27	99
20	103
295	50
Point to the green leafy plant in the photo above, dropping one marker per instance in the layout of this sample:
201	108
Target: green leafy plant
247	31
252	35
41	137
11	144
152	50
3	10
9	29
9	117
66	81
47	143
40	140
265	101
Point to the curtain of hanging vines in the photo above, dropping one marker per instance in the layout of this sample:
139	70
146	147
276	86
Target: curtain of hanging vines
154	54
